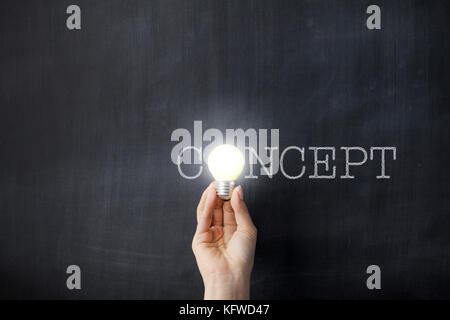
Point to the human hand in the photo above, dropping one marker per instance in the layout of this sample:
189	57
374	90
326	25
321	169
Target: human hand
224	245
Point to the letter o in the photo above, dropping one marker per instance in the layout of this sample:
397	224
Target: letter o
179	162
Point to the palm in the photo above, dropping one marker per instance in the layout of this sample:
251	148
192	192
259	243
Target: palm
222	250
221	245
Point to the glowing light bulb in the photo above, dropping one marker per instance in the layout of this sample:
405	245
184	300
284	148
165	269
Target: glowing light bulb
225	163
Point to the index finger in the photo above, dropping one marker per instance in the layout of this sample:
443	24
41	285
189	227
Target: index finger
201	203
206	214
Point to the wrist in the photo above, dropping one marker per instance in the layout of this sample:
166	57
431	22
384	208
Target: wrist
227	287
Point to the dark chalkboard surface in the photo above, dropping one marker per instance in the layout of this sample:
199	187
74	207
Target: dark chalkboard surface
87	115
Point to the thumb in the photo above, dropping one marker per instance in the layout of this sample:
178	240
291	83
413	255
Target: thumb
243	220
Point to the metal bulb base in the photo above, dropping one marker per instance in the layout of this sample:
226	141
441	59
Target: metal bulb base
224	189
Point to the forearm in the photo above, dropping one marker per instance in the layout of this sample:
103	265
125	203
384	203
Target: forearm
227	288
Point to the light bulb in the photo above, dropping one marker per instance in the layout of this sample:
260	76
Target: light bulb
225	163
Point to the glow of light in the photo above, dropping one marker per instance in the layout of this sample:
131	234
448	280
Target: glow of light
226	163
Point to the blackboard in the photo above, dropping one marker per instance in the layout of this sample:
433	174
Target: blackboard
87	115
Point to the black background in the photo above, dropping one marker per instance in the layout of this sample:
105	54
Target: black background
86	120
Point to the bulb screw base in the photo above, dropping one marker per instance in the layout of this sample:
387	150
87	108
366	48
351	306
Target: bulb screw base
224	189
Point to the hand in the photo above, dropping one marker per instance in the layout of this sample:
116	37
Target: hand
224	245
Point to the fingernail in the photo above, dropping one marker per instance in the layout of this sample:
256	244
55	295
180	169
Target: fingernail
240	192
